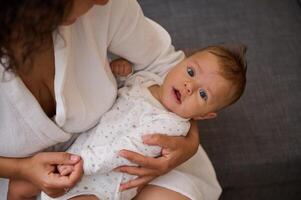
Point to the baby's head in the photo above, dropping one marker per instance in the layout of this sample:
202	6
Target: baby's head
206	82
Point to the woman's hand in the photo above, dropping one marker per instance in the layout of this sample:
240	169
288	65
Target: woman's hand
175	151
41	170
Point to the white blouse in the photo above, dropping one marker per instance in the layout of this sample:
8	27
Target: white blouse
85	87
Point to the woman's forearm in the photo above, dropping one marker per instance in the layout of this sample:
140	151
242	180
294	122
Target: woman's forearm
193	136
10	167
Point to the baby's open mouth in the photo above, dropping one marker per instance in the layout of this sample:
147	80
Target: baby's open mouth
177	95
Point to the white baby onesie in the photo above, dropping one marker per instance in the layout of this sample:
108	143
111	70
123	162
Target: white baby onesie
135	113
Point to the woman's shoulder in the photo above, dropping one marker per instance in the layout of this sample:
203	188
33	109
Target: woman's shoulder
113	16
114	10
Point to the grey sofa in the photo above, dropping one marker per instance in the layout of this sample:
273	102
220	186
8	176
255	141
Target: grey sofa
255	145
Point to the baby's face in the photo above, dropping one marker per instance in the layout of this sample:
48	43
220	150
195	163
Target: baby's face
194	88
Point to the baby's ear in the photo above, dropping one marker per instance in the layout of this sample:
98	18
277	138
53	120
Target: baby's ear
210	115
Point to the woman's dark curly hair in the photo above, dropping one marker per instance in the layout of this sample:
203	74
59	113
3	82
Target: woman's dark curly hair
29	23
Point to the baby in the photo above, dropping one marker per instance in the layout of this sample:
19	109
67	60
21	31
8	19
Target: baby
196	88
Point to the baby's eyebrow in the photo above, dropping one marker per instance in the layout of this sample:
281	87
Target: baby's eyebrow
197	64
211	94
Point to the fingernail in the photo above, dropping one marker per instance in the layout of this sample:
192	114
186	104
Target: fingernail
116	170
121	153
146	137
74	158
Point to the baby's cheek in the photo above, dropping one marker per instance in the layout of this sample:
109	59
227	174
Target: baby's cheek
168	103
191	109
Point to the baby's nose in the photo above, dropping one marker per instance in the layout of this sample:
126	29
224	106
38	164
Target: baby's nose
188	87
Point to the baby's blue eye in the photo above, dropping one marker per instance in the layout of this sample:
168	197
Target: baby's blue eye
203	95
190	71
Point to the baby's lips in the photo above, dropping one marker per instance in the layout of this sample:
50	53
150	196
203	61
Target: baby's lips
177	94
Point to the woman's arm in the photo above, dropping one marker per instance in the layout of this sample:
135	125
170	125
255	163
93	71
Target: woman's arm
138	39
41	171
9	167
175	151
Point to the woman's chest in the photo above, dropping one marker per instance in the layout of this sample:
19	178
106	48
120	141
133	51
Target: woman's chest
43	91
39	80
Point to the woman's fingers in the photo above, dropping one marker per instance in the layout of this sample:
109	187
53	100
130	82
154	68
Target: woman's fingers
69	181
56	158
137	171
175	150
164	141
41	170
160	165
77	173
136	183
140	160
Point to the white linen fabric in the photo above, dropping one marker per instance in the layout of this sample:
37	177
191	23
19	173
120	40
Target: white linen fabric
85	88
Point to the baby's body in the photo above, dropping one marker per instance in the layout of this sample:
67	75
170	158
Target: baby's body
135	113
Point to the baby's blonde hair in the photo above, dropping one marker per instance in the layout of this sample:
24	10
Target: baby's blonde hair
233	66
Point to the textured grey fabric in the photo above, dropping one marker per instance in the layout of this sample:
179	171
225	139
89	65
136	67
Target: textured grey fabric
288	191
256	143
3	188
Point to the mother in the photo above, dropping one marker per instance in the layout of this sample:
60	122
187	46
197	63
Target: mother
56	82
